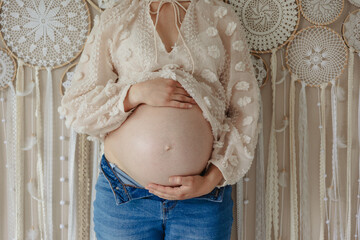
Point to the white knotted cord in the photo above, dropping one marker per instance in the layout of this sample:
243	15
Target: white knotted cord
176	5
19	164
322	169
357	216
272	186
239	208
293	187
305	229
10	161
39	165
260	181
49	149
349	141
95	172
72	223
334	191
283	175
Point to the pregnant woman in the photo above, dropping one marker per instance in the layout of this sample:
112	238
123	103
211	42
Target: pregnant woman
168	87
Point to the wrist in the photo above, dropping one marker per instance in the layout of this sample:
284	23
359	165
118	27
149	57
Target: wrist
213	175
133	97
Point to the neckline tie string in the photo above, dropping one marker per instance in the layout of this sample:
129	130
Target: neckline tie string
176	5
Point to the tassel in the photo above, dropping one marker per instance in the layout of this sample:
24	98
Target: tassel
283	178
30	143
32	234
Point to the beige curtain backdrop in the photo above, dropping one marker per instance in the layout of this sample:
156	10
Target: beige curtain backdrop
266	93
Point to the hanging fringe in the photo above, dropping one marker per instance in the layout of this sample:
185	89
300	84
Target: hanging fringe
349	142
305	229
338	225
260	181
20	173
322	169
49	150
272	186
39	165
239	208
293	187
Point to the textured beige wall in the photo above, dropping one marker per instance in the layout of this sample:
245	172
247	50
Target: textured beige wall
282	146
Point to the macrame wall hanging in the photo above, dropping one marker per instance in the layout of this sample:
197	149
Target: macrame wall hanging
8	98
44	35
320	12
316	57
351	35
66	78
268	26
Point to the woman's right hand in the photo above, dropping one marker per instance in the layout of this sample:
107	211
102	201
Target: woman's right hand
160	92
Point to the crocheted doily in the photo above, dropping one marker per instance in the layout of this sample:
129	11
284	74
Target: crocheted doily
316	55
261	69
355	2
7	68
102	4
43	33
351	30
268	23
321	12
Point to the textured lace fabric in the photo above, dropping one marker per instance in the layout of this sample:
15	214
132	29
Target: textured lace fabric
120	52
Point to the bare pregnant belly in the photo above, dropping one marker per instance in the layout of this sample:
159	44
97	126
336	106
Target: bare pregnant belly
157	142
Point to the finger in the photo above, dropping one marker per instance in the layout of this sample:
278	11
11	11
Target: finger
177	104
182	98
180	90
165	196
181	180
163	189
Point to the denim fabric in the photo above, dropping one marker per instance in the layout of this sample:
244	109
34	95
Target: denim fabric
128	212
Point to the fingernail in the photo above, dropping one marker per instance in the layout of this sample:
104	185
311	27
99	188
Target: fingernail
189	106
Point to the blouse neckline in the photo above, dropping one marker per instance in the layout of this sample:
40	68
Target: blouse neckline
177	44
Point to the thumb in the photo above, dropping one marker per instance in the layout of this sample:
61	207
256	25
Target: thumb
180	180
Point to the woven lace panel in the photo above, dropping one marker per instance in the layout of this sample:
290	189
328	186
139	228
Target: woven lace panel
103	4
261	71
351	30
268	23
316	55
45	33
7	68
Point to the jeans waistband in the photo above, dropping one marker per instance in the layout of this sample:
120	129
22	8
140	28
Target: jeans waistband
124	192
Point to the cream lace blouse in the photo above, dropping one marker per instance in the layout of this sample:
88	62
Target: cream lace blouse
210	59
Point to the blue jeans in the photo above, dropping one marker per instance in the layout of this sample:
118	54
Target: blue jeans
124	211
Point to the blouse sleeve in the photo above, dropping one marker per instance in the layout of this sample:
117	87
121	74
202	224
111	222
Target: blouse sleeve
94	102
234	151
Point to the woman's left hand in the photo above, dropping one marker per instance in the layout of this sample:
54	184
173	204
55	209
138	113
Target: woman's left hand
188	186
